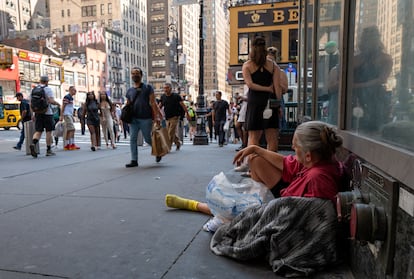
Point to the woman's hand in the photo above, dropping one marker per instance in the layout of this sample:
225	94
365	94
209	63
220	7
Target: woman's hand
239	158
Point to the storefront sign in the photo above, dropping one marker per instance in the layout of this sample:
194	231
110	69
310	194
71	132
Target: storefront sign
30	56
267	17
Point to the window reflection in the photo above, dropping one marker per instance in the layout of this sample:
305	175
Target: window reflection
381	98
371	70
328	61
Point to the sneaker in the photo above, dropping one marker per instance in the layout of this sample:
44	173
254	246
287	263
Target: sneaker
93	148
73	147
213	224
240	147
132	164
66	147
50	153
17	148
33	151
158	159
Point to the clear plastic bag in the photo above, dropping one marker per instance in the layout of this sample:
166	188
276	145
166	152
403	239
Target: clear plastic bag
226	200
58	132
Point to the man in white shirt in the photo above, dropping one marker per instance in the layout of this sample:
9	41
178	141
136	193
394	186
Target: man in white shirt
44	121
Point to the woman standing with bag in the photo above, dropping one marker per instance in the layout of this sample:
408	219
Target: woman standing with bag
261	76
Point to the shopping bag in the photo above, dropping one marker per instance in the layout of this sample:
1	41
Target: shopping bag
58	132
159	141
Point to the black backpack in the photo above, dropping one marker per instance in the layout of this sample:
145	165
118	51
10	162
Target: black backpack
38	100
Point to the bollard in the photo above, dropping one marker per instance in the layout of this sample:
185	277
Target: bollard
29	130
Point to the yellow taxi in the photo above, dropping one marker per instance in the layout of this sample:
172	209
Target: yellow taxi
10	115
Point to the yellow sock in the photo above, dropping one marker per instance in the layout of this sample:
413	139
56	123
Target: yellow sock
181	203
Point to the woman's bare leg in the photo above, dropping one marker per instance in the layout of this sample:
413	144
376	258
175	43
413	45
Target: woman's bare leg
92	135
203	207
262	171
272	139
254	137
187	204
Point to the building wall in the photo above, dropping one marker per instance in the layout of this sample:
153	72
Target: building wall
215	63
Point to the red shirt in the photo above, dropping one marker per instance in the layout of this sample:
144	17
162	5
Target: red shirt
320	181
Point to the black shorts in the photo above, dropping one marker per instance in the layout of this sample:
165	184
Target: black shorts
44	122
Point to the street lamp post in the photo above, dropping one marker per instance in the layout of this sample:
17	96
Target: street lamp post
173	28
200	138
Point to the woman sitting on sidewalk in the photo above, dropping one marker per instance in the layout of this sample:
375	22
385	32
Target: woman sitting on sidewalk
296	233
312	172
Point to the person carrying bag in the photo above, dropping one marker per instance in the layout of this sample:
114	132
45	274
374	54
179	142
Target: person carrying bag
160	141
145	112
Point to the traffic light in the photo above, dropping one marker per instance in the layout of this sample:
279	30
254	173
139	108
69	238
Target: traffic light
6	57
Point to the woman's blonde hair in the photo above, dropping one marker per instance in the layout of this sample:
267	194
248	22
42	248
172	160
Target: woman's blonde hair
318	137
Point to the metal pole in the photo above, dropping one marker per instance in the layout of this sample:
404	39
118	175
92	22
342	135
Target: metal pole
200	138
178	62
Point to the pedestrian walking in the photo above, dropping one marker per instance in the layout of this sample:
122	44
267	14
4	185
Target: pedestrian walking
209	116
107	121
91	115
192	122
44	120
141	97
26	115
220	109
56	117
79	113
171	103
68	120
241	118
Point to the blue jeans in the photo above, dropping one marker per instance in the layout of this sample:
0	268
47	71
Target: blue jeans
20	143
219	127
145	125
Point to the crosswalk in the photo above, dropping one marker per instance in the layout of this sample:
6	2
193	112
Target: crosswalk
85	139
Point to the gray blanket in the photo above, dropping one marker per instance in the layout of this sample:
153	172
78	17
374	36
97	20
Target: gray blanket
297	236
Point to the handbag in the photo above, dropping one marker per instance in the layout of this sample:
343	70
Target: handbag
274	103
267	113
127	112
160	142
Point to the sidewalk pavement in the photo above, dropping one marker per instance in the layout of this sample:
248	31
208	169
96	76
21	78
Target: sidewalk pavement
82	214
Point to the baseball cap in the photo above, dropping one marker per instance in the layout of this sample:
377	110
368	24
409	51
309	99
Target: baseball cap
44	78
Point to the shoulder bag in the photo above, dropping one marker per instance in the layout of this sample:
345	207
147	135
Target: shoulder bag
127	112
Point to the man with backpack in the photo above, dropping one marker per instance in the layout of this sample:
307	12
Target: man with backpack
173	106
41	99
